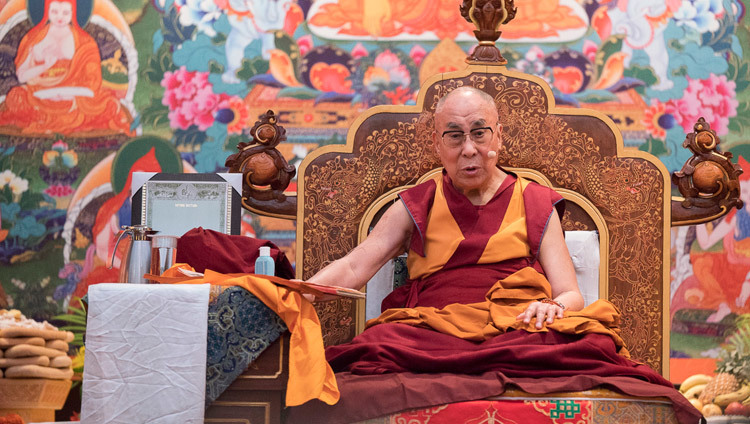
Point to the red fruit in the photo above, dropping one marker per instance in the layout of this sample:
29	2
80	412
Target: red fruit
736	408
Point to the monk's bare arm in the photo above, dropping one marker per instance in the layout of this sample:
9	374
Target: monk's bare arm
555	260
387	240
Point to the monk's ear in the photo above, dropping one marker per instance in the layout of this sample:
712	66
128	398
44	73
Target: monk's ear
436	143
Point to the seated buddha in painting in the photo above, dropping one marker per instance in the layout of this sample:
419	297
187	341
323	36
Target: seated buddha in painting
58	67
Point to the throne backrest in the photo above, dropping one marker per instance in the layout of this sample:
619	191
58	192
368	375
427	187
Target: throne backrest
622	194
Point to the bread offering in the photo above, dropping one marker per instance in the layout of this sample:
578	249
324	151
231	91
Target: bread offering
32	349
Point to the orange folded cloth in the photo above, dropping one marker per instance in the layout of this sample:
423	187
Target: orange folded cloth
310	376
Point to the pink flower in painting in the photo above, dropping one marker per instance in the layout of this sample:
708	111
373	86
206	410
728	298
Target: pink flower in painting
305	43
201	108
589	50
178	120
534	53
713	98
387	60
179	83
417	54
190	98
397	72
58	190
359	51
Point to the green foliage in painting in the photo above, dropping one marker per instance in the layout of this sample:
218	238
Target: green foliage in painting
609	47
174	32
155	114
191	138
158	64
252	67
654	146
301	92
643	73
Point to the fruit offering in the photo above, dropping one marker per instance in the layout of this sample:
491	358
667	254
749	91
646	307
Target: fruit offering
728	392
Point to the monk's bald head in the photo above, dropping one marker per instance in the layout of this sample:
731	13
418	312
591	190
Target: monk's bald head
469	94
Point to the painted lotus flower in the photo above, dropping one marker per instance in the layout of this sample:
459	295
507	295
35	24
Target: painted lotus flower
359	51
305	44
417	54
386	69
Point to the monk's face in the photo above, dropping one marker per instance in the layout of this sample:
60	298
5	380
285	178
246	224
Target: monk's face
60	13
468	164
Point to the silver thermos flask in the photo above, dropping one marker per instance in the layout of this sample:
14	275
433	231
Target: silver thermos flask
137	258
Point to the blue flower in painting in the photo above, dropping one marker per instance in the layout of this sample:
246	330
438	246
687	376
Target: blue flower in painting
201	13
27	227
699	15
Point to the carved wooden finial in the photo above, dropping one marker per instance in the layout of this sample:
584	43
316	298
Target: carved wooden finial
265	172
487	15
709	179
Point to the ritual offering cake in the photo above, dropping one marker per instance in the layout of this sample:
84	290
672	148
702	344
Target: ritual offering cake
35	369
32	349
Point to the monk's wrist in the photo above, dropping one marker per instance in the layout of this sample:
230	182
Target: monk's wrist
553	302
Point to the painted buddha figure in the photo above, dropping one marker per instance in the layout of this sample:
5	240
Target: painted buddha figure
58	66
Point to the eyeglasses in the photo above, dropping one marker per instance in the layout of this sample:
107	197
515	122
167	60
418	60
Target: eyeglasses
455	138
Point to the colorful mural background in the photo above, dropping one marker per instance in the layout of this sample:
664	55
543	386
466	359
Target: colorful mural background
91	90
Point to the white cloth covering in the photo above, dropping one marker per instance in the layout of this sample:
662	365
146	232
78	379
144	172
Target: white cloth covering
584	252
145	354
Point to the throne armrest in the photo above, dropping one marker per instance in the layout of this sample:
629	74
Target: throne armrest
708	181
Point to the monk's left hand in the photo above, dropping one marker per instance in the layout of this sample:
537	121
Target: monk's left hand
544	312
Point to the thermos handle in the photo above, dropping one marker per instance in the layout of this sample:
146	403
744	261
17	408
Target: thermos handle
114	252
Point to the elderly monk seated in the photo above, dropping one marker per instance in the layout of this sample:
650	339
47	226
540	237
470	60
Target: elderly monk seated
491	284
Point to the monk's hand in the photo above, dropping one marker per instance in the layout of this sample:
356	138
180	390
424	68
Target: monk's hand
544	312
315	298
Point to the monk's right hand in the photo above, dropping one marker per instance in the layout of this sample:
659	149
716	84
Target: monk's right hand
313	298
543	312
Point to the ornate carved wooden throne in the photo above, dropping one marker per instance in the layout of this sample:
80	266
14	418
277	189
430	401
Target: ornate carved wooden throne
622	193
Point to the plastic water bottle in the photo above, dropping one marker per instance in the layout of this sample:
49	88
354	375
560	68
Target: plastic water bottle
264	265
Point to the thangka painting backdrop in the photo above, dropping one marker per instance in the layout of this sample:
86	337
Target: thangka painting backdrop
91	90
